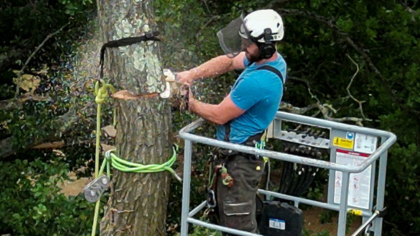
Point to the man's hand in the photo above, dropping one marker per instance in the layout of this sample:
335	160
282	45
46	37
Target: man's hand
186	77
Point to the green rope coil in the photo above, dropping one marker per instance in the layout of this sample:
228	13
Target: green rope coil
127	166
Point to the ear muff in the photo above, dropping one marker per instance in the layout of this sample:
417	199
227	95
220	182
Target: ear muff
267	49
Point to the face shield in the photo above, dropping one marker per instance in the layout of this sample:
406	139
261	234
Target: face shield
234	37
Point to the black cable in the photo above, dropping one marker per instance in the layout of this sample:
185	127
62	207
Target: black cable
299	173
289	172
316	153
307	174
283	169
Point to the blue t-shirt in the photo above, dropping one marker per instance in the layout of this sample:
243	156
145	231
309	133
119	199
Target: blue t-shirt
259	93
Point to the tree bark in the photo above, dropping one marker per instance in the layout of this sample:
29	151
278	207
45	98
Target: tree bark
137	204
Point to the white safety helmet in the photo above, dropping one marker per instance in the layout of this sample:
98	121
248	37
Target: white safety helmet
257	22
261	27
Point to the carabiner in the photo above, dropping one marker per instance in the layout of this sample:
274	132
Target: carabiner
211	199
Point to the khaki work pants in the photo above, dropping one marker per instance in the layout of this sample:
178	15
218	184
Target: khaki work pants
237	205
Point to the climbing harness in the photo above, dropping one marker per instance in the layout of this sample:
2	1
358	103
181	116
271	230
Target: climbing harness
224	156
95	189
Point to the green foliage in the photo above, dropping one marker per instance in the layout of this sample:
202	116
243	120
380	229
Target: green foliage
75	7
25	24
31	202
321	35
311	233
403	187
326	216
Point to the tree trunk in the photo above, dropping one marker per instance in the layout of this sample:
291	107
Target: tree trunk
137	204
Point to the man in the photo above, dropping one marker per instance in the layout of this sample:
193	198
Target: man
246	112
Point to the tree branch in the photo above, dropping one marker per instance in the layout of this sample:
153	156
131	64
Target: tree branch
296	110
413	13
36	50
324	109
49	145
348	88
16	103
65	122
307	84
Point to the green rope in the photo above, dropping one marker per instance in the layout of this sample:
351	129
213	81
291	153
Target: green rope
101	93
126	166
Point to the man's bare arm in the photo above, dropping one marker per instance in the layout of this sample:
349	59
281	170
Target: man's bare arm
219	114
214	67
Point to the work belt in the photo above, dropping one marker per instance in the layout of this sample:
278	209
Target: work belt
253	141
217	165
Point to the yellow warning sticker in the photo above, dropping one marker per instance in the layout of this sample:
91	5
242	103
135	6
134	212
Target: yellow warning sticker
343	143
